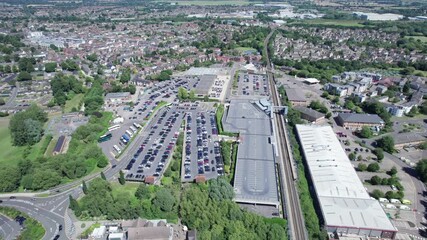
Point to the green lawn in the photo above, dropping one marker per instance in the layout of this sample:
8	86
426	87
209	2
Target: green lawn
74	102
212	3
128	188
243	49
421	38
333	22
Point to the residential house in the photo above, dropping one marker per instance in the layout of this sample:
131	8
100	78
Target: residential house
336	89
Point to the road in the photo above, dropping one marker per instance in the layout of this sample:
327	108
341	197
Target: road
9	229
289	193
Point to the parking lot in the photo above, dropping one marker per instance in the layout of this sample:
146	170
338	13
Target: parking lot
153	153
202	155
252	84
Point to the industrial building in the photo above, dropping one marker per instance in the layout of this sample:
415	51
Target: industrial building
356	121
310	115
295	97
345	206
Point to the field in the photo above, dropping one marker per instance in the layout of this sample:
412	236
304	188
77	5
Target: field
74	102
212	3
421	38
333	22
243	49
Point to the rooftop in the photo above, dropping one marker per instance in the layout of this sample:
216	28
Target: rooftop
402	138
309	112
342	197
117	95
360	118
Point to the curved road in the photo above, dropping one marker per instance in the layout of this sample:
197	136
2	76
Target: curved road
9	229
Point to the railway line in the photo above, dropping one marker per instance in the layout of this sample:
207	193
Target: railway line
287	174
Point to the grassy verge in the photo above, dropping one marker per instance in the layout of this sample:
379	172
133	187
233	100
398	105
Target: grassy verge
236	75
73	103
333	22
45	144
32	228
88	231
218	115
49	149
172	173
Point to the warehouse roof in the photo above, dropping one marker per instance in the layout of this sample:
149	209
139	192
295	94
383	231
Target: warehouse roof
117	95
310	112
342	197
360	118
402	138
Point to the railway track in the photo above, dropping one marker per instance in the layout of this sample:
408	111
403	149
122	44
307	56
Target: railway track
287	176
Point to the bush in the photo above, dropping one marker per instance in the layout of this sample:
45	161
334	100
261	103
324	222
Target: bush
362	167
373	167
377	194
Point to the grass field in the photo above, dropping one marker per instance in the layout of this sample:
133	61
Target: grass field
333	22
212	3
421	38
243	49
51	146
74	102
9	155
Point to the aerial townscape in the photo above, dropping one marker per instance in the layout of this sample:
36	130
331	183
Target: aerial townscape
213	119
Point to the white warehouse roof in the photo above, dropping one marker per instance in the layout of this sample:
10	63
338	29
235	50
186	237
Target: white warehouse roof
341	195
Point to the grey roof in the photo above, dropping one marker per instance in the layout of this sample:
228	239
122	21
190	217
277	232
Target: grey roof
310	112
255	178
117	95
205	84
294	94
342	197
361	118
150	233
402	138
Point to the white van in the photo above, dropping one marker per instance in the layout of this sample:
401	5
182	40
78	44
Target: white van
404	207
384	200
396	201
390	206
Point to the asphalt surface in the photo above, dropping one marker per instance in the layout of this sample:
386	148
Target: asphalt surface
9	229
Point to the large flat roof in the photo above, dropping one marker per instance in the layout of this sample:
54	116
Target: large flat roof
255	177
294	94
343	199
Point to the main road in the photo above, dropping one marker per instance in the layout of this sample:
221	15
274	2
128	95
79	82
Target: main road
289	194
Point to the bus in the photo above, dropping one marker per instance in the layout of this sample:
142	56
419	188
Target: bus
105	137
137	125
114	127
134	130
129	133
117	149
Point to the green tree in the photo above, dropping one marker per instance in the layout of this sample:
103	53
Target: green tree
393	171
421	169
92	57
386	143
24	76
220	189
182	93
192	95
142	192
375	180
103	176
84	187
45	179
74	205
377	194
366	132
10	177
413	112
122	180
379	153
325	94
373	167
352	156
164	200
26	126
362	167
50	67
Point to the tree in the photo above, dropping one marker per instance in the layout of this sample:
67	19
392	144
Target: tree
26	126
393	171
386	143
192	95
182	93
377	194
220	189
373	167
421	169
50	67
142	192
2	102
352	156
325	94
92	57
375	180
122	180
164	200
103	176
74	205
359	158
362	167
24	76
379	153
366	132
84	187
45	179
10	176
336	99
413	112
